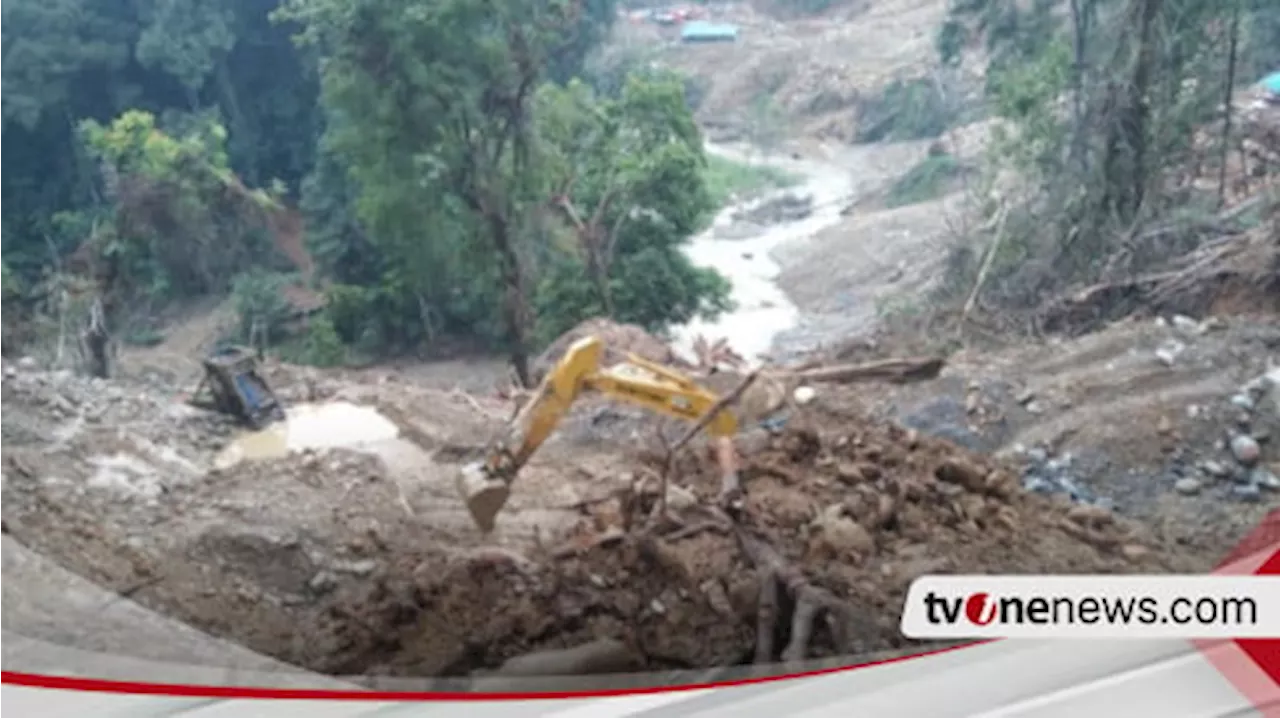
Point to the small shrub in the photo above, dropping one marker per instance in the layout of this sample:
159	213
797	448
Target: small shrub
726	178
925	181
322	346
911	109
258	298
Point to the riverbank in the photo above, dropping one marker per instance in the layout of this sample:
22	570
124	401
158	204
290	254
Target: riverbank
762	309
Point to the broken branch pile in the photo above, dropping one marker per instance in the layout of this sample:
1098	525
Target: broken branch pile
1238	270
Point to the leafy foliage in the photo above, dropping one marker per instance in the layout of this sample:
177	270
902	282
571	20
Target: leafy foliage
727	178
182	223
322	346
1104	107
925	181
185	38
436	150
259	303
529	188
906	109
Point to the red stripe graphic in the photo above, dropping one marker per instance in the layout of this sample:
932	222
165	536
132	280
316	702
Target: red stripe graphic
35	680
1266	652
1253	666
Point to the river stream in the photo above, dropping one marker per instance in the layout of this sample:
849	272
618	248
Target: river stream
762	310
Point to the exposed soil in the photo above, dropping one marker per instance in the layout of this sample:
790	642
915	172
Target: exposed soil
816	68
362	561
1139	416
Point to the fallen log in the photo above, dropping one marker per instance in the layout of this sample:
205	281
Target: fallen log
598	657
898	371
1191	287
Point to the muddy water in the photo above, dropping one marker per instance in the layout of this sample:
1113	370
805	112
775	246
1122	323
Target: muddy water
763	310
426	486
311	426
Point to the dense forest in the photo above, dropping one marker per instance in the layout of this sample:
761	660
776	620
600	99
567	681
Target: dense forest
450	167
427	170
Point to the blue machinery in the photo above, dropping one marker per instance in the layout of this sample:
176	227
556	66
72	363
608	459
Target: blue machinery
232	385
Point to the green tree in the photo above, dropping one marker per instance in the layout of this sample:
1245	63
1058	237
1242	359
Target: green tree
629	182
1103	107
322	346
182	224
68	61
186	39
432	105
258	298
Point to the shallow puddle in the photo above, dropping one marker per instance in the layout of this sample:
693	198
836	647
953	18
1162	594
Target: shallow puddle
311	426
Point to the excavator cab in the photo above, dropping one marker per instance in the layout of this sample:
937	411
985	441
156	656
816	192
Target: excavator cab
233	386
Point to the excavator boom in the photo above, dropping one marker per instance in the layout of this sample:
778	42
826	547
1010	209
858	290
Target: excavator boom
485	486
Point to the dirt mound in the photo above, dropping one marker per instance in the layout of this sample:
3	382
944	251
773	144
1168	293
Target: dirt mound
854	510
363	561
619	340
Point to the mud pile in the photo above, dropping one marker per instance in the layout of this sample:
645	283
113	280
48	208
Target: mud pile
858	509
619	340
344	562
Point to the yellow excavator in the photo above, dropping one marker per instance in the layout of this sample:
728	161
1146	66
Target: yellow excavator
485	485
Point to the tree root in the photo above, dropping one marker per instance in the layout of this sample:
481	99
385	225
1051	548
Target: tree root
778	579
602	656
695	529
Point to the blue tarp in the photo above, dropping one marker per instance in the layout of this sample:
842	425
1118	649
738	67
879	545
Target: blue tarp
700	30
1271	83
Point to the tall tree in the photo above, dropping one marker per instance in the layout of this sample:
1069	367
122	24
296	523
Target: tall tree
634	159
433	104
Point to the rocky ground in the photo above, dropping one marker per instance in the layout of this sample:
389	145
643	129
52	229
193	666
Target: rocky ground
816	68
359	560
1169	421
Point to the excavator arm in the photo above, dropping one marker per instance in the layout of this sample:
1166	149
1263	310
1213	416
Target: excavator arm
486	485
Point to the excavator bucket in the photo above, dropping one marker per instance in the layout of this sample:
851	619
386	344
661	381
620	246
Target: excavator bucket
484	496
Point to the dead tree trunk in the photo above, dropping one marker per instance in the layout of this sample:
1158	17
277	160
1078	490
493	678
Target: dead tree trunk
600	278
1082	15
596	241
97	342
1125	158
1228	106
515	302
